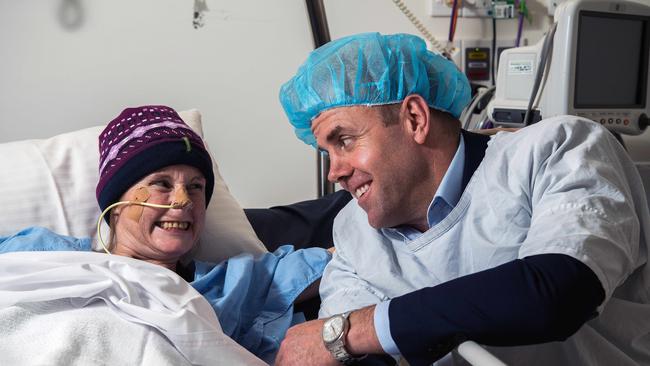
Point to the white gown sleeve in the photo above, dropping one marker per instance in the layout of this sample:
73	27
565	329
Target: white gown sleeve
583	194
342	290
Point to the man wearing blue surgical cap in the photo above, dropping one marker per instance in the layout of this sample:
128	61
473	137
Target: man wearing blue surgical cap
534	242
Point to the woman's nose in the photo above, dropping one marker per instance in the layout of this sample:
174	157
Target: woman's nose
180	198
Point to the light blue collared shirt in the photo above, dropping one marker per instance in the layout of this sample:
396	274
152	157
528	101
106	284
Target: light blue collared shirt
443	202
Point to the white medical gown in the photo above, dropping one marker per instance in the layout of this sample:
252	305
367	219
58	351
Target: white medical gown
564	185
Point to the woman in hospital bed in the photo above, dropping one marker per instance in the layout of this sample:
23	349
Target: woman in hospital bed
155	183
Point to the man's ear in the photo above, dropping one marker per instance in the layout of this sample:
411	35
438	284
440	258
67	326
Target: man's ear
415	116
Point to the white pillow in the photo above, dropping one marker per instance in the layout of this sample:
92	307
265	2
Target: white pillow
51	183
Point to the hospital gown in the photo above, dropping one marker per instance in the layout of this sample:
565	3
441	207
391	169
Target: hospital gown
563	186
252	296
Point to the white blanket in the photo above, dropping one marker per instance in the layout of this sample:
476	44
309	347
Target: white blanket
78	308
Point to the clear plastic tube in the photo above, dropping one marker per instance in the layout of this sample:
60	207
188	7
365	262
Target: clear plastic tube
99	221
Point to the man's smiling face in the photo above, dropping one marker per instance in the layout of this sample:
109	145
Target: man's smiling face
373	160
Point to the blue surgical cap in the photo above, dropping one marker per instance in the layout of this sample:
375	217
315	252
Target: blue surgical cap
371	69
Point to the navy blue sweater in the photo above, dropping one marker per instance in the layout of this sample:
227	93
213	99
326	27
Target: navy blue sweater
537	299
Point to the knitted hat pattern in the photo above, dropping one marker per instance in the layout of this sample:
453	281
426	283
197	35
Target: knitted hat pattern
142	140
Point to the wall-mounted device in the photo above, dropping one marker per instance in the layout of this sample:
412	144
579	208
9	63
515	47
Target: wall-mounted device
477	59
478	62
597	68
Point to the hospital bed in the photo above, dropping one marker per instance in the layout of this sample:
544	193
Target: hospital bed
51	183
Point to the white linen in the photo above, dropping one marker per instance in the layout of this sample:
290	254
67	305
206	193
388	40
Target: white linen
565	186
138	292
57	333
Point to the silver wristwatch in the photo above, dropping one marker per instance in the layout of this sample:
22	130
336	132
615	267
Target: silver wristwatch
335	329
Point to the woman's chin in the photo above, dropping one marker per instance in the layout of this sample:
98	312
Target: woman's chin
173	242
174	249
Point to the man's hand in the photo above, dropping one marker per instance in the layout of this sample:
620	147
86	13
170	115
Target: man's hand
303	345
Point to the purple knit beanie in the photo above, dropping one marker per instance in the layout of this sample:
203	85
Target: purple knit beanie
142	140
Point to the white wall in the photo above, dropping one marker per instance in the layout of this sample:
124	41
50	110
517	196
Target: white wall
129	53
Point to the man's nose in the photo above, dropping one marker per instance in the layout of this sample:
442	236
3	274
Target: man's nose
339	169
180	198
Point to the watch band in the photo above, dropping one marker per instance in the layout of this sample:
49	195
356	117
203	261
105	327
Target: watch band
337	347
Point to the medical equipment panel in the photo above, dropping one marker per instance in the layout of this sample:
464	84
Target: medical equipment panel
592	63
477	63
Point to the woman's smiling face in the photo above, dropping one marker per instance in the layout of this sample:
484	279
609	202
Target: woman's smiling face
161	235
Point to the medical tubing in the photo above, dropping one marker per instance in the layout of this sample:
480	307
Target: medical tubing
546	50
452	21
483	121
520	6
520	26
467	117
99	221
494	49
464	121
418	25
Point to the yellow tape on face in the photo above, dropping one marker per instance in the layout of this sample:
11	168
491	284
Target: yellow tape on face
134	212
181	198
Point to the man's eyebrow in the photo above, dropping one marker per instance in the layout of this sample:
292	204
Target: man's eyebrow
334	134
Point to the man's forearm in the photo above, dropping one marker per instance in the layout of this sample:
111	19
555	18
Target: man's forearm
362	337
538	299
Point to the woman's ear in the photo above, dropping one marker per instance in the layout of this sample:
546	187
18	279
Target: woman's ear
415	115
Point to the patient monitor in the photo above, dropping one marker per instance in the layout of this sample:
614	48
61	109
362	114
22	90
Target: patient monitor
596	67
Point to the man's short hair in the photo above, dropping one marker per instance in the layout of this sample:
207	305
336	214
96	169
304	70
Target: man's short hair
390	114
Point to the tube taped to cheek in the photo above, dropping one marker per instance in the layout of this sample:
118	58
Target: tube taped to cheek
134	212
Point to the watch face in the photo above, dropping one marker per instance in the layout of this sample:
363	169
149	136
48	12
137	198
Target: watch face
332	329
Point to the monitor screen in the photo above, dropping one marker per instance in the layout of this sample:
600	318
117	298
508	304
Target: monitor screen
611	60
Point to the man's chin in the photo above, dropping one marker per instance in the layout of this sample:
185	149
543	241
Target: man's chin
377	222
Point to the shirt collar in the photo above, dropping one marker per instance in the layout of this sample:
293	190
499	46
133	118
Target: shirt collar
450	187
449	191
